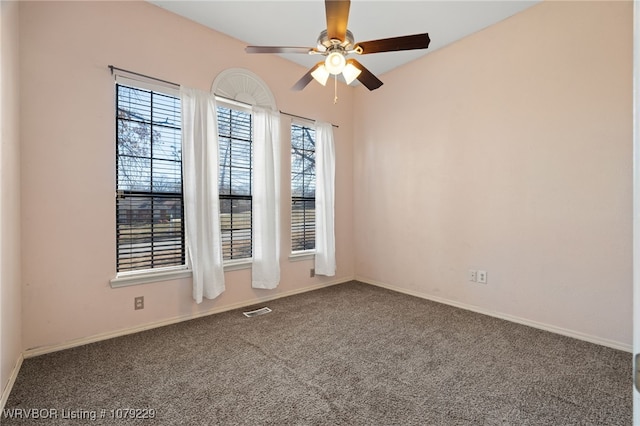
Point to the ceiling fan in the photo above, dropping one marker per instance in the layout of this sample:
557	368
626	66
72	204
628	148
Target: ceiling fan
337	42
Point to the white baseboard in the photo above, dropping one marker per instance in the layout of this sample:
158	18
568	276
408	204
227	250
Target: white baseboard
12	379
41	350
29	353
547	327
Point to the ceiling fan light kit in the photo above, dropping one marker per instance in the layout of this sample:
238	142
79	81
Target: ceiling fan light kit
337	42
335	62
350	73
320	74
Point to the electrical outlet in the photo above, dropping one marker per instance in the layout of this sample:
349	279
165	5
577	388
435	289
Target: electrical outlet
482	277
312	272
138	303
473	275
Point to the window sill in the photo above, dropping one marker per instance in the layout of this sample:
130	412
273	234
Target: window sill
236	265
126	279
297	256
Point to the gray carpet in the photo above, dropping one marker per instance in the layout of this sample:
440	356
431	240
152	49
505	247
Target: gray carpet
350	354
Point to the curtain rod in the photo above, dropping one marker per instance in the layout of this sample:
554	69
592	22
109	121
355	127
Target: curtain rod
305	118
113	68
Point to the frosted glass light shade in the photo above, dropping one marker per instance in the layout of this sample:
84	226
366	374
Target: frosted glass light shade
321	75
350	73
335	63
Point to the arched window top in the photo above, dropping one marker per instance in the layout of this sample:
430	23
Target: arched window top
244	86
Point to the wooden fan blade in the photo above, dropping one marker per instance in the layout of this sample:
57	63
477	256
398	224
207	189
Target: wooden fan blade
366	77
306	79
337	18
277	49
394	44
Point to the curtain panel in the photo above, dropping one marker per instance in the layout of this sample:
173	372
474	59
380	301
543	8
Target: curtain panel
325	198
265	267
200	186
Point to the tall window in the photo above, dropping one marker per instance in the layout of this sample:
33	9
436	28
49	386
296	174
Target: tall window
235	142
303	188
149	205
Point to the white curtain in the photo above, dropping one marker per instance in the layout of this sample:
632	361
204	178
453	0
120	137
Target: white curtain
266	199
200	181
325	190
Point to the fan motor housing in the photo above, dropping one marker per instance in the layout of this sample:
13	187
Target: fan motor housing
325	43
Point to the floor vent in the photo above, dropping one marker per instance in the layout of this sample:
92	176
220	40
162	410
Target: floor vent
257	312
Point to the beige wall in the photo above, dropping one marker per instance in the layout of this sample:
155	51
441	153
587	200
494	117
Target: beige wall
10	285
68	147
511	152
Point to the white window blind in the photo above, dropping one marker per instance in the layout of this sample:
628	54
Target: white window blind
303	188
149	204
235	174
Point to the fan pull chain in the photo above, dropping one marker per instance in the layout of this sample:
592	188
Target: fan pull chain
335	89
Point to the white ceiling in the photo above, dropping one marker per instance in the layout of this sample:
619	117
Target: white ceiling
298	23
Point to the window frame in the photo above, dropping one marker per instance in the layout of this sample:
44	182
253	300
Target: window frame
298	255
246	262
146	275
143	276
